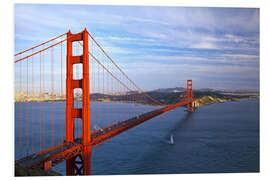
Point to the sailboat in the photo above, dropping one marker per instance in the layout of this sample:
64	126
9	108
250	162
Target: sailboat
171	141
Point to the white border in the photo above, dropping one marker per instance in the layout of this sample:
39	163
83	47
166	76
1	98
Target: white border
6	81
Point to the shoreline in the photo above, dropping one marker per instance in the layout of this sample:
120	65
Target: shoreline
208	100
201	101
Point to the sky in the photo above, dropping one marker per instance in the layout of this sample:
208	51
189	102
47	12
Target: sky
158	46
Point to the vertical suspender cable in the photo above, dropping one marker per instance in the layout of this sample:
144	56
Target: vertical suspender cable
122	95
132	100
128	108
93	85
40	140
20	108
27	111
52	94
32	104
134	96
61	93
112	98
126	104
98	97
107	99
43	93
126	100
103	105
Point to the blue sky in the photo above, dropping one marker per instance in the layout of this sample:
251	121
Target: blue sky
158	47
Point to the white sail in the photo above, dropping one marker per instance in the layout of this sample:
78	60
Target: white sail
172	142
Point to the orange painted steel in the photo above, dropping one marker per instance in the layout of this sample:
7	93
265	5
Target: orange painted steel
69	92
40	44
77	151
61	95
67	151
39	51
189	95
84	112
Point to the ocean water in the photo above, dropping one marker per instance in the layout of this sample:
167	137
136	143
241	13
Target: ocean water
218	138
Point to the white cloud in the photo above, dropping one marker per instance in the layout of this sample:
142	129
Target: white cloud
133	35
204	45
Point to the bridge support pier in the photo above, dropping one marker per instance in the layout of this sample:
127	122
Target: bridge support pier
80	164
47	165
86	154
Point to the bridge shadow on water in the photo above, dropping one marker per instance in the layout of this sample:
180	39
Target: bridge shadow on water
183	122
160	150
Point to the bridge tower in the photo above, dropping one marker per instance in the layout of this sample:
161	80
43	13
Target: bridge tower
189	96
80	164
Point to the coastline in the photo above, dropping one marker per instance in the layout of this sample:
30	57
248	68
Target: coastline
207	100
199	101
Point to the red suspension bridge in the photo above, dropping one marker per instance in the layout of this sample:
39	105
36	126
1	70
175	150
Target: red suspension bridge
62	87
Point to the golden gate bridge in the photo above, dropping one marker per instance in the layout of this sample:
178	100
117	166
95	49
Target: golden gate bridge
73	71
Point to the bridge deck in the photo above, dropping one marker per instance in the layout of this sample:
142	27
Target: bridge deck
66	150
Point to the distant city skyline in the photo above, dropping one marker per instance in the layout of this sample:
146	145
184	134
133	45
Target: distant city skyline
158	47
